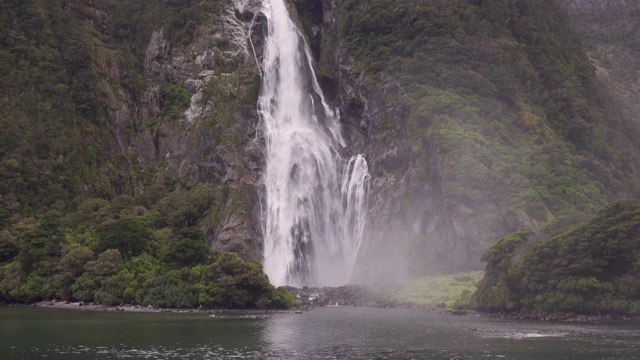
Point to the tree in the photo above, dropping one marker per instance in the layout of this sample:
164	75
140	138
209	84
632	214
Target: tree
9	246
129	236
188	249
108	263
42	242
240	283
70	266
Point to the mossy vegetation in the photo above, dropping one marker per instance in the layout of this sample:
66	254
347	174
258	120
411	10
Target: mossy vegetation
79	219
590	268
123	252
60	91
442	291
509	96
501	88
516	120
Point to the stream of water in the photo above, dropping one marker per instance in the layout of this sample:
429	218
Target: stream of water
315	207
323	333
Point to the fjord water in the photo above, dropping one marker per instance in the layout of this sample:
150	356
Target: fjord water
315	202
324	333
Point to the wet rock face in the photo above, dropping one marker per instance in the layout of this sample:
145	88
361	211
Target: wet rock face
217	142
85	10
212	135
411	231
213	141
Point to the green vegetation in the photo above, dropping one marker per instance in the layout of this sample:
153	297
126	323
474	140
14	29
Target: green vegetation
67	68
443	291
501	89
120	252
591	268
508	94
79	218
507	99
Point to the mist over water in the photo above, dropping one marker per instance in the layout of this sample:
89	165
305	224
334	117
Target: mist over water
315	201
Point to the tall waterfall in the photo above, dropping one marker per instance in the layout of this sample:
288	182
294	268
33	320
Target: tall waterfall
316	202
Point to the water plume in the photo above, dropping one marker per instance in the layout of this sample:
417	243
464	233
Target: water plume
315	202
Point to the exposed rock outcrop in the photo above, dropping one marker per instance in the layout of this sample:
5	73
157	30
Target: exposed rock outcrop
410	230
611	32
216	76
215	137
214	140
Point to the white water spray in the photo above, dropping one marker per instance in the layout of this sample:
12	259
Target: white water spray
315	201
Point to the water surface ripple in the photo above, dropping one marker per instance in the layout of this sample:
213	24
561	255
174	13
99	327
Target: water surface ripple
324	333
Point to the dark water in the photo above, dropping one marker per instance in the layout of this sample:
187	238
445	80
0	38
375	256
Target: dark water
325	333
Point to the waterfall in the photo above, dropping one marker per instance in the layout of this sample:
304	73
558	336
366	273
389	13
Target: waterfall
315	201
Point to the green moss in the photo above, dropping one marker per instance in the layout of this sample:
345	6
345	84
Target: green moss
436	291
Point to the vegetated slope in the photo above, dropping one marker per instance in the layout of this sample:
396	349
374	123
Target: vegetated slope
126	141
593	267
477	117
610	31
104	98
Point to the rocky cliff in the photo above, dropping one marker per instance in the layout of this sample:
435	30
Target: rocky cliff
211	137
213	140
476	117
611	34
449	174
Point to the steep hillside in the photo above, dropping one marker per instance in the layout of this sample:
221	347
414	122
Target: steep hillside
611	34
107	100
592	267
477	117
127	153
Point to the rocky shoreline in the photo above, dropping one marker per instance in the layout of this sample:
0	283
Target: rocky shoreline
564	317
143	309
309	298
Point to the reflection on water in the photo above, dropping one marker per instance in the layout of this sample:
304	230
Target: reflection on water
325	333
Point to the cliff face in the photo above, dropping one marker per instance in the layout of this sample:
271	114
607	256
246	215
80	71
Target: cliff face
196	119
212	140
139	94
611	34
476	117
462	153
413	229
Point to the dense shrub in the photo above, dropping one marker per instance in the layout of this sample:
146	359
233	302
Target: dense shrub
129	236
593	267
181	274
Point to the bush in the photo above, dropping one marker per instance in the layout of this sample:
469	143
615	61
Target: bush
589	268
188	249
35	288
240	284
170	289
185	208
129	236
